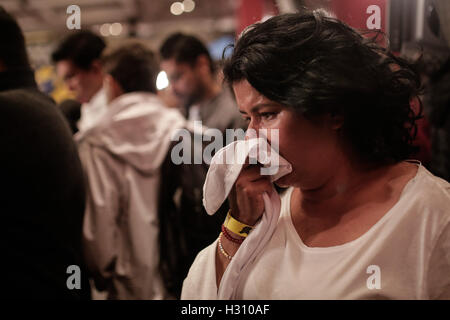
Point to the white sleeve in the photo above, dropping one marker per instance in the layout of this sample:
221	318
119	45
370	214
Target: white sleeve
438	275
100	229
200	283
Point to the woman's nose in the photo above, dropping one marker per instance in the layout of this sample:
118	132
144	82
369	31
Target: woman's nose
252	130
253	125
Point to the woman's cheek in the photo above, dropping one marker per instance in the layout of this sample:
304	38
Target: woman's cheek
283	135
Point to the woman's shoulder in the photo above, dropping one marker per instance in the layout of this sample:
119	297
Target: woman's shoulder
434	190
200	282
429	196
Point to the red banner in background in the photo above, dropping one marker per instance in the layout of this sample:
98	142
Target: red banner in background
251	11
359	14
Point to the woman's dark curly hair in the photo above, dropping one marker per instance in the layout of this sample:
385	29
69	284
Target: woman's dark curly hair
319	65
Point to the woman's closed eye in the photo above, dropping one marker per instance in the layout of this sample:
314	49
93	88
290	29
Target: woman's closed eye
262	116
268	115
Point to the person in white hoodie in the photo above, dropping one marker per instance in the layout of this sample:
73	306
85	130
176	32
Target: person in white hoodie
122	156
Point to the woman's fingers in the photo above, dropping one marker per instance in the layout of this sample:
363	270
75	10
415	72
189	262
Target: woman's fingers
252	188
251	172
246	200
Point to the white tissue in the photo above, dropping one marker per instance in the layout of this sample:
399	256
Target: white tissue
223	172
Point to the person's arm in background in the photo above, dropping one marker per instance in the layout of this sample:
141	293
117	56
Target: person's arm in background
100	230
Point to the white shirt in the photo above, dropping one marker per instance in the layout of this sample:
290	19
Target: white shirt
194	113
93	111
405	255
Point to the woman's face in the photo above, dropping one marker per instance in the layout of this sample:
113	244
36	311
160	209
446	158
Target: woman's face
311	148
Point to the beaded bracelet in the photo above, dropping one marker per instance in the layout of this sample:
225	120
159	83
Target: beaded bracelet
229	237
222	250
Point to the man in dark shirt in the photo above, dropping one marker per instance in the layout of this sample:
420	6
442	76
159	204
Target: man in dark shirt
42	199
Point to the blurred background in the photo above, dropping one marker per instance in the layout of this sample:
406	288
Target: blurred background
411	25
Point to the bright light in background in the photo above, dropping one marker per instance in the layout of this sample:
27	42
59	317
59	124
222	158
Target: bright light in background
111	29
188	5
115	29
104	29
177	8
162	81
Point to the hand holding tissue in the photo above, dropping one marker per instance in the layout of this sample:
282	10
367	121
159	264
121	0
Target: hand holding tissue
224	170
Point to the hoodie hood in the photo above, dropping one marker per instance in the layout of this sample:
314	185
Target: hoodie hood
137	129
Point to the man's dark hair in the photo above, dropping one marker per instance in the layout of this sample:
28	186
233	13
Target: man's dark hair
319	65
82	48
184	49
13	53
133	66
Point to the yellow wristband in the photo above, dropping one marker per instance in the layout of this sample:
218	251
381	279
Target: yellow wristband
236	227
